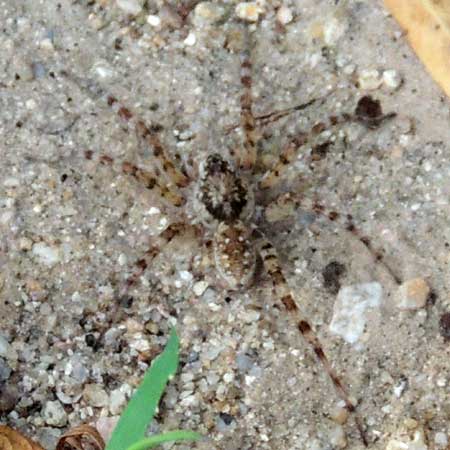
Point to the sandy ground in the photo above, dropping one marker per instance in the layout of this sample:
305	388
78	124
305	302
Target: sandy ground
72	229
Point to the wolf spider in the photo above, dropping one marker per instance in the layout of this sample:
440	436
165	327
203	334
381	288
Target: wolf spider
225	213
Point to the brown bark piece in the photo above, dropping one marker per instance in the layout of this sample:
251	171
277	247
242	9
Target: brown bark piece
427	24
82	437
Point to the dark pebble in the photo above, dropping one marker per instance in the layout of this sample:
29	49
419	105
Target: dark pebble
9	397
444	326
5	370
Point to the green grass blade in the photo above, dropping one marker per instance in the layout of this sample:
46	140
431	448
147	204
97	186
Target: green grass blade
153	441
141	408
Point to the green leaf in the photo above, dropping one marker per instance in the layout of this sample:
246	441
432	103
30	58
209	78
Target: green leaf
141	408
153	441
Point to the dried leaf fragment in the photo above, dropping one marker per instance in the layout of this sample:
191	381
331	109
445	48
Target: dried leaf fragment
11	439
427	24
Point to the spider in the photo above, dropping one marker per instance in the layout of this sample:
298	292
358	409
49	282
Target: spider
223	211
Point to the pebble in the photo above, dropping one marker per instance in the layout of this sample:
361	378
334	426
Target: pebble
95	395
134	326
410	423
340	414
23	69
39	71
6	217
249	11
133	7
211	352
46	254
284	15
117	401
170	17
139	343
190	40
79	371
122	260
444	326
105	426
25	244
186	135
338	438
369	79
5	347
9	398
189	401
399	388
112	335
54	414
412	294
67	398
200	287
391	79
243	362
208	13
349	319
152	327
96	22
416	444
153	20
5	370
228	377
333	30
186	276
48	437
11	182
102	70
441	439
47	45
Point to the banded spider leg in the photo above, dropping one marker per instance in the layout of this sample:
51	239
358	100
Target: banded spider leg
266	249
368	113
165	179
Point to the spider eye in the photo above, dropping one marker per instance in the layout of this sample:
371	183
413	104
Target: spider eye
216	164
214	158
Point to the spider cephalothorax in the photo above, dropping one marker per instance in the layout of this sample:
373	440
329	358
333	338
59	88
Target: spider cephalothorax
223	193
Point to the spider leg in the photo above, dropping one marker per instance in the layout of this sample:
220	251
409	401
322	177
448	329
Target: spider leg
291	150
153	181
367	112
284	294
150	136
345	221
149	180
266	119
247	157
171	232
178	178
273	116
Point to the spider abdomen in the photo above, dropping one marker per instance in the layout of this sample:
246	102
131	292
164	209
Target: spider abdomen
234	254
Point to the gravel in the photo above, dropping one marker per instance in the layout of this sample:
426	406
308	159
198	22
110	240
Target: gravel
72	228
